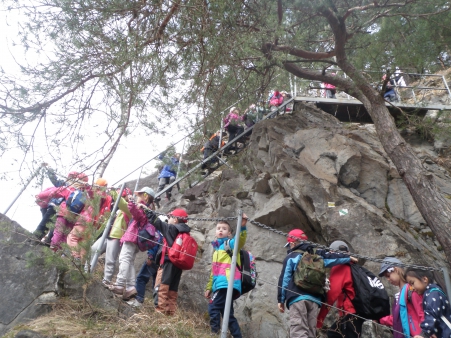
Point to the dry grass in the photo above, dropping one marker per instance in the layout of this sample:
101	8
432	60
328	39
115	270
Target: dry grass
71	319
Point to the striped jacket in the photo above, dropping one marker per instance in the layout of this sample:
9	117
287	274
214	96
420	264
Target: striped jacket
220	266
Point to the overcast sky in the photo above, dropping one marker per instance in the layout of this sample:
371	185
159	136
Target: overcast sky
133	151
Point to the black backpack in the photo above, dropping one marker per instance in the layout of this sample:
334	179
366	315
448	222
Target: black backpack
248	269
371	299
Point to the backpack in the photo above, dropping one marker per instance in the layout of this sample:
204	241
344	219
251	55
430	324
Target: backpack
371	299
148	238
445	320
310	273
183	252
248	268
76	201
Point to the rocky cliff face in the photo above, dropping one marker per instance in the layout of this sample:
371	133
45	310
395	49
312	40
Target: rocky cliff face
304	170
294	166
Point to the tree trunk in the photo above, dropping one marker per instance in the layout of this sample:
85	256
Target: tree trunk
421	184
433	206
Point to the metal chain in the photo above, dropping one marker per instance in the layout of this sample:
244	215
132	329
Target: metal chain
317	245
199	218
257	278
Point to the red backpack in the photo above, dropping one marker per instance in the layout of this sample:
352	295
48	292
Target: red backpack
183	252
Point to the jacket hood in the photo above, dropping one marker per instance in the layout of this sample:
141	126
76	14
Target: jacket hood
302	246
218	242
182	227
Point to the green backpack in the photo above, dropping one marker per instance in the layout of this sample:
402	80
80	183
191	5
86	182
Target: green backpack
310	274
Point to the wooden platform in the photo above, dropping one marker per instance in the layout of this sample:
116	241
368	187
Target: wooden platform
351	110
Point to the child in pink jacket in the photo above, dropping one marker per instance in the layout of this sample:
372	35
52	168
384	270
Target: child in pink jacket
407	312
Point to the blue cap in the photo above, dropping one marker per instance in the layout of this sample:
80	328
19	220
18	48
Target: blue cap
389	262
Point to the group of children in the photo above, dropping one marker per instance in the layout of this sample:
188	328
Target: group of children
420	309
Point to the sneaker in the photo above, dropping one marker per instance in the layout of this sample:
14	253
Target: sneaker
106	283
134	303
45	241
128	294
117	289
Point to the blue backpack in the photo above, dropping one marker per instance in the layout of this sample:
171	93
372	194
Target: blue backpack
76	201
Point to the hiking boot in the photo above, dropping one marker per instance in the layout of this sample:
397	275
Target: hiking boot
157	201
168	196
128	294
134	303
117	289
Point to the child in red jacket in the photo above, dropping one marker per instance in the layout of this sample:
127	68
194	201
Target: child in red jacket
342	292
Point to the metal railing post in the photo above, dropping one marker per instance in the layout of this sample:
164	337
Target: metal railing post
446	85
139	177
447	281
180	159
228	304
106	231
22	190
221	131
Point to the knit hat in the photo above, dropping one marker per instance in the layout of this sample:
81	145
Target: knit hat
389	262
179	213
298	233
147	190
101	182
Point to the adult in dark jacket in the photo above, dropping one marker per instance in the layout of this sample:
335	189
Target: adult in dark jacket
342	292
168	275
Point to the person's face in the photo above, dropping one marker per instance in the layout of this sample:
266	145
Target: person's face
418	285
393	277
222	230
172	220
293	244
140	197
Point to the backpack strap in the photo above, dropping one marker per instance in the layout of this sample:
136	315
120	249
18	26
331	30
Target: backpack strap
228	249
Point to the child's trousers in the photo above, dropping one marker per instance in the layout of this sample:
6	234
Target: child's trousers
216	310
303	316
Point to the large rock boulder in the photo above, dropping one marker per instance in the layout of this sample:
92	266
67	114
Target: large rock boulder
27	291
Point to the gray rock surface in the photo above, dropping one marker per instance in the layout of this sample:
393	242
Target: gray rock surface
27	291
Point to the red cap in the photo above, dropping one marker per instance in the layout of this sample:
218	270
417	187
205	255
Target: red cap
83	177
126	192
179	213
298	233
